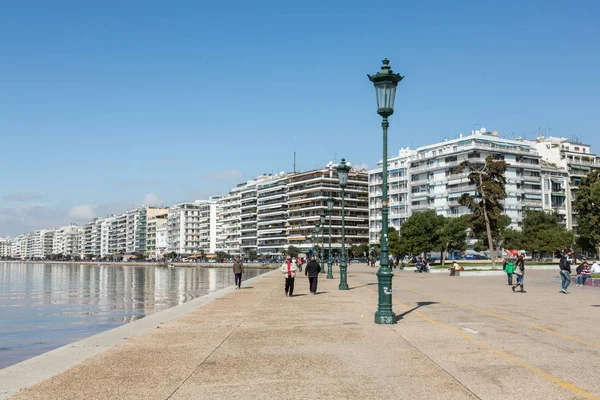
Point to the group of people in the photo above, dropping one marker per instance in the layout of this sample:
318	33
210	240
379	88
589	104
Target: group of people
517	269
583	271
290	267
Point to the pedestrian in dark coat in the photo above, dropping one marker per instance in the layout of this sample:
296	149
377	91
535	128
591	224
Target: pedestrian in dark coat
238	268
312	271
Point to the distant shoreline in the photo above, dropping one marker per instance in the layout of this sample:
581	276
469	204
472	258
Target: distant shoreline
149	264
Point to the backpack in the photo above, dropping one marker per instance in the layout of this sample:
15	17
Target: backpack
563	263
579	269
510	268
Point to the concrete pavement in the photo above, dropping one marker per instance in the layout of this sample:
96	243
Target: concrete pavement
457	338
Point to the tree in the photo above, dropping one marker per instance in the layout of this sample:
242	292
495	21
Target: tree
396	245
587	206
419	233
252	255
486	205
293	251
222	255
140	256
542	233
452	234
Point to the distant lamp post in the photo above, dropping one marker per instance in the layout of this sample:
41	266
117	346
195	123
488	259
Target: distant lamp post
330	203
317	229
322	219
342	170
386	82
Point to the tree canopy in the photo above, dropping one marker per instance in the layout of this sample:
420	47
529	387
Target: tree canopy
543	233
420	232
587	205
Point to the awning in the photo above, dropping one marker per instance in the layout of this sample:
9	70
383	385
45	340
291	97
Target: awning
419	198
458	180
559	195
533	196
581	167
532	182
557	180
454	195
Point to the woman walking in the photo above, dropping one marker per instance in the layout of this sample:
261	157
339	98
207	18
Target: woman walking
289	269
565	272
238	268
519	272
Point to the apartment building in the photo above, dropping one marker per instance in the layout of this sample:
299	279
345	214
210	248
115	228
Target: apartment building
574	160
107	236
426	179
191	227
66	241
307	195
5	247
152	226
230	216
271	216
162	236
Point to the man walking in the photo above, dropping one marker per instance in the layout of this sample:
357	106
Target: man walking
520	272
289	269
312	271
238	268
565	272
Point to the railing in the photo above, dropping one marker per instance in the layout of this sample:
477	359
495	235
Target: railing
462	189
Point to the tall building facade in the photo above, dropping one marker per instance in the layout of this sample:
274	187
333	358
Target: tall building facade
540	176
191	227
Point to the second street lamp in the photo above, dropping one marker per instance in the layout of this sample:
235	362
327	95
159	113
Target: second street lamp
342	170
330	211
385	83
322	219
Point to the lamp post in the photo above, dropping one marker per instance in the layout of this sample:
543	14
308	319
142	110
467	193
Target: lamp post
385	83
322	219
330	211
317	227
342	170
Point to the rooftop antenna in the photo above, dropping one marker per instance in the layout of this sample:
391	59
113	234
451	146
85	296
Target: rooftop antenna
294	158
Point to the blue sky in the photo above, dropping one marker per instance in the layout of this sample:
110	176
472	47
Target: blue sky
106	105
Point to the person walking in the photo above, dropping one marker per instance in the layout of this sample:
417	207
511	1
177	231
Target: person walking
519	272
565	272
238	268
509	268
289	269
312	270
299	263
583	273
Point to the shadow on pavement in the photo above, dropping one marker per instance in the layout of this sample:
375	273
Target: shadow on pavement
247	287
366	284
419	305
298	295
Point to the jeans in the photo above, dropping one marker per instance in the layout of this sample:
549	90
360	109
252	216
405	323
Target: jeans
312	281
520	279
581	279
510	279
238	279
289	285
566	279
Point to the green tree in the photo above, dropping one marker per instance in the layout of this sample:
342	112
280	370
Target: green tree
452	233
486	205
395	243
420	233
587	205
140	256
292	251
512	239
252	255
542	233
222	254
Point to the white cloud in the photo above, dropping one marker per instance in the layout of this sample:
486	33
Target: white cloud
84	211
152	200
231	174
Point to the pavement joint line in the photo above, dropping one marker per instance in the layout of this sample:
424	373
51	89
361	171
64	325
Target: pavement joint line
560	382
505	318
222	342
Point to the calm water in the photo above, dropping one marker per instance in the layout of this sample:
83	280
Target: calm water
45	306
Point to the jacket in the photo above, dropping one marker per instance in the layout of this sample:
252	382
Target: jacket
564	264
520	267
312	269
293	269
238	267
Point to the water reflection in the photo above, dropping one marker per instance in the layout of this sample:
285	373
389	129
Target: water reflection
45	306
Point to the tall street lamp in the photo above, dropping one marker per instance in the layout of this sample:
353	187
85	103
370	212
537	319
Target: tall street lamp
342	170
385	83
317	227
330	211
322	218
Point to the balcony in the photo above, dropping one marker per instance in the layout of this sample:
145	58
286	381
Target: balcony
459	189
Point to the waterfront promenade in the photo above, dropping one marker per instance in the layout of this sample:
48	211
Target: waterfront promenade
456	338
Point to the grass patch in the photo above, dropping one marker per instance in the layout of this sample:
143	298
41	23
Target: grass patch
595	275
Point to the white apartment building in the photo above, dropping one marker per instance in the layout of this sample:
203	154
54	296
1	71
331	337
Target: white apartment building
307	195
574	160
426	178
191	227
230	216
152	226
107	236
162	235
66	241
19	247
271	216
5	247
